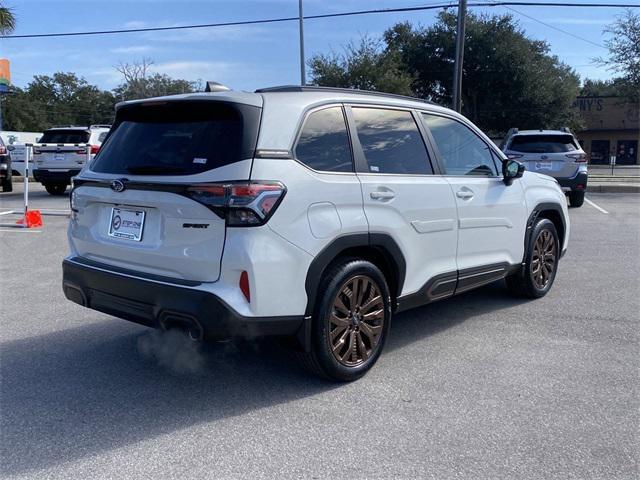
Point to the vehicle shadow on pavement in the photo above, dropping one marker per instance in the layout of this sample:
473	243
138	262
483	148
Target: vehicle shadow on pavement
76	393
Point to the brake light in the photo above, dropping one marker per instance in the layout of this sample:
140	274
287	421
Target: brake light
577	157
3	149
244	285
95	149
514	155
241	204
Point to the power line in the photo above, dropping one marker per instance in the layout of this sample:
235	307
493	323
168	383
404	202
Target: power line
326	15
555	28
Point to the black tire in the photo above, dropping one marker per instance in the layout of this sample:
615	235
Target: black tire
7	185
576	199
528	282
321	360
55	189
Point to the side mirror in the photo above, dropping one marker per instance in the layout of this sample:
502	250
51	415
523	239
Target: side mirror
511	170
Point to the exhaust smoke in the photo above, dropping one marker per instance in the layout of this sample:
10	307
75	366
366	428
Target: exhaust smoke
174	350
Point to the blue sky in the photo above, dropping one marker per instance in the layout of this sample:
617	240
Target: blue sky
246	57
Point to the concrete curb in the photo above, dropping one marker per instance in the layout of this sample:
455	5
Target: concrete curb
614	188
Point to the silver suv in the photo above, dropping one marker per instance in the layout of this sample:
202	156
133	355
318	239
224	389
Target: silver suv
556	153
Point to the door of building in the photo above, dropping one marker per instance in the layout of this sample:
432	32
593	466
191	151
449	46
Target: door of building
600	152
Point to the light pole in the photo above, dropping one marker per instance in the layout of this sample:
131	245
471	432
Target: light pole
303	78
459	60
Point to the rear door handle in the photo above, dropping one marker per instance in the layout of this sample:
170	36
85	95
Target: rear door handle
382	195
464	194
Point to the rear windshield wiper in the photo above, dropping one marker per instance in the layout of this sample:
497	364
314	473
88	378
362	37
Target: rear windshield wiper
150	169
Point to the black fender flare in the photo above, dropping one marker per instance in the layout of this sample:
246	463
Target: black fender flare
531	221
380	241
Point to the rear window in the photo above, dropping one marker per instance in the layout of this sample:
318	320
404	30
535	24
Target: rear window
65	136
543	144
178	138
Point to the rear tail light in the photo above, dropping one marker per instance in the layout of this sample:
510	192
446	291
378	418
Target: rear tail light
513	156
3	150
246	204
94	149
577	157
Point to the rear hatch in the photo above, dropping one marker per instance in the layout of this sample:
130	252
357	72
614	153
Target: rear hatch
63	149
556	155
147	202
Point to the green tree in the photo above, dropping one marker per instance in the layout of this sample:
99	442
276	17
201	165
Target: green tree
365	66
603	88
139	82
7	20
624	52
508	79
61	99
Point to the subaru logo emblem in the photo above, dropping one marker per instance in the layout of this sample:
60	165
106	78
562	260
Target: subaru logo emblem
543	157
117	185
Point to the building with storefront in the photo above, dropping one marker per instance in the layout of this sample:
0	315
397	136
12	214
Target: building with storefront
611	127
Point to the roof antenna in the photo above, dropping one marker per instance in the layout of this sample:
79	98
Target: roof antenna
215	87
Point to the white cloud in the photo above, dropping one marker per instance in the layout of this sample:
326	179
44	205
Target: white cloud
136	24
132	49
195	70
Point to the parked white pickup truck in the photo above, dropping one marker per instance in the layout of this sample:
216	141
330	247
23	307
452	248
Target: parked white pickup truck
63	152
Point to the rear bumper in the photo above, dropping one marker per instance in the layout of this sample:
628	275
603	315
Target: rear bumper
578	182
152	302
50	176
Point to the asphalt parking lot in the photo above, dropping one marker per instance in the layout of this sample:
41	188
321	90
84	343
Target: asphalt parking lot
483	385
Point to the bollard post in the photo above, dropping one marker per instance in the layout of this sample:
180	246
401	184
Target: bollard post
27	159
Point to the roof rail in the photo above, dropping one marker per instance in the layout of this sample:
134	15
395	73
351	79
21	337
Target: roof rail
313	88
100	125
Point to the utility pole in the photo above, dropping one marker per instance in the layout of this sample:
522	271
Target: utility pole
457	72
303	77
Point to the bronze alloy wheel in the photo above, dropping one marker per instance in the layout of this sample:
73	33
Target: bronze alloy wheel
356	321
543	261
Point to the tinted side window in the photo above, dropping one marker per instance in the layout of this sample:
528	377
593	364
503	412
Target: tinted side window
391	141
462	151
324	143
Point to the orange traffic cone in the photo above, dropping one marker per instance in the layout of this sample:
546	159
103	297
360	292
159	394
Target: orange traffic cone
32	219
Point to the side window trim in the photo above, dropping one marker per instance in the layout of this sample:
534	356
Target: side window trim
492	151
360	161
305	116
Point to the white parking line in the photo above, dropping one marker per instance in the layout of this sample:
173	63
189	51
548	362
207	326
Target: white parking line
597	207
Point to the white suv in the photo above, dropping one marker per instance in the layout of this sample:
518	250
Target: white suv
62	152
306	212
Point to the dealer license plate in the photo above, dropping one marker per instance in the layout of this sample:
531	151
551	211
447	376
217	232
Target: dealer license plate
127	224
544	165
